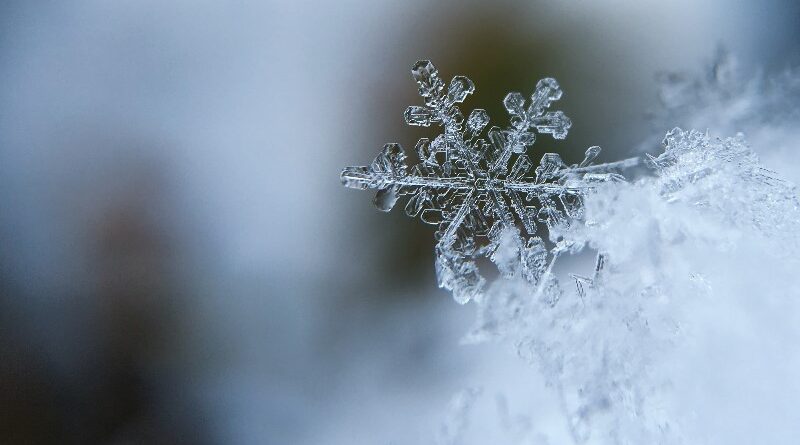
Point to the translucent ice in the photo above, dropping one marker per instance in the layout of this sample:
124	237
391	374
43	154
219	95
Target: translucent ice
478	190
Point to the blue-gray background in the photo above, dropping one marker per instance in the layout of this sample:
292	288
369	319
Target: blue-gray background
178	261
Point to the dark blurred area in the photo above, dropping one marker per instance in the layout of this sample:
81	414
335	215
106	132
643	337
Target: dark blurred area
179	262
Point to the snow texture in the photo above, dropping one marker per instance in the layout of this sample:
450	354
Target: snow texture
618	348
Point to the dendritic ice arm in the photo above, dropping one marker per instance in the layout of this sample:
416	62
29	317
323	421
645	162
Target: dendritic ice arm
480	190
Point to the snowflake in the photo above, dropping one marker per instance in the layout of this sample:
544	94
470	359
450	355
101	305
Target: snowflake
479	191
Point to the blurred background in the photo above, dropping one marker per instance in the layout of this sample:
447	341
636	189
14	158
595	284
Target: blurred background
178	260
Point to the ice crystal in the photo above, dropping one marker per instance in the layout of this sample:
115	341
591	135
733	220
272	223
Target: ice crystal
725	99
480	187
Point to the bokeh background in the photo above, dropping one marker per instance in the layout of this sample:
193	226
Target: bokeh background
178	260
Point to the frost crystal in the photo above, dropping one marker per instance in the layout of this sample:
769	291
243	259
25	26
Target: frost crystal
480	188
725	99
